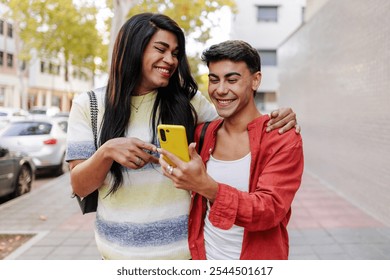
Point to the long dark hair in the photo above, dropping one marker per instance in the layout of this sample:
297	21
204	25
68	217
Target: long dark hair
172	105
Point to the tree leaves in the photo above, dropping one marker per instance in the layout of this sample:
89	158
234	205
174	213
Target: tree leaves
59	29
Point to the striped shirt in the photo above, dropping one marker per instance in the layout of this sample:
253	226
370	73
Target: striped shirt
147	218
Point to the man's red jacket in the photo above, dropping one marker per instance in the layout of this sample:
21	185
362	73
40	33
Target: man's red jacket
264	211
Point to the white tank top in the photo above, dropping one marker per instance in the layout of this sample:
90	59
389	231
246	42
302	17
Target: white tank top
226	244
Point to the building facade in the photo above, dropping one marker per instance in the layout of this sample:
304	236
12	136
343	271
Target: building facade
312	7
265	24
38	82
334	72
9	79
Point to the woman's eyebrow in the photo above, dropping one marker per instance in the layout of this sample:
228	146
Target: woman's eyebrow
164	44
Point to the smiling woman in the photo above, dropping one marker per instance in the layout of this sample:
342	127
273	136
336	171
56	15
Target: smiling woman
140	215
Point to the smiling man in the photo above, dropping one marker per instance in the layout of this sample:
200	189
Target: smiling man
245	179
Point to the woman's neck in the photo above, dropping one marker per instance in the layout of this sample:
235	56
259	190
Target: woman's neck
140	93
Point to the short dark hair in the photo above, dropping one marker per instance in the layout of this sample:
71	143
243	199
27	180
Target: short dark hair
234	50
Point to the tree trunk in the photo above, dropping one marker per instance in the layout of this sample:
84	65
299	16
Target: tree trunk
121	9
66	74
20	72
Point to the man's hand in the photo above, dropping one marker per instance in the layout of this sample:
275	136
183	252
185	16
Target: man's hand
191	176
285	119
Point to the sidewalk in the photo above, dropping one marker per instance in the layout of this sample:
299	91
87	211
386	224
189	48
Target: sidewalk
323	226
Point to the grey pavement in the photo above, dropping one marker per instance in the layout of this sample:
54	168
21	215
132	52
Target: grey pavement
324	226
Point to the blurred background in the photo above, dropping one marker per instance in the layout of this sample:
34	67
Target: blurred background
326	59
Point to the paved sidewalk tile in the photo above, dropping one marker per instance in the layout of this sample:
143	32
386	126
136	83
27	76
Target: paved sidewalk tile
326	226
323	226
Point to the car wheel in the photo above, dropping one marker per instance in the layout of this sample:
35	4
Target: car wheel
24	181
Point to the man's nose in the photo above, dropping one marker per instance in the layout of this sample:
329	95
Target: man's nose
222	88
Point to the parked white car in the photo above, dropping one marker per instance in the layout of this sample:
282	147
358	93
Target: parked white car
10	114
44	112
43	140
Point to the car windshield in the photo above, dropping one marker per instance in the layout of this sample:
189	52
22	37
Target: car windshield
63	125
38	111
27	128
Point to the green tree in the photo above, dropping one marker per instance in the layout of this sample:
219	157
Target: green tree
197	18
57	29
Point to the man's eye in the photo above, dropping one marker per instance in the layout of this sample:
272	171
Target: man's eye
232	81
213	81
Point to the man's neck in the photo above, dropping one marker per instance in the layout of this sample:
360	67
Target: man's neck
239	123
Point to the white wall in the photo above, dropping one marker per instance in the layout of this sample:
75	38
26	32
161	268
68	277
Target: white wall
48	81
267	35
312	7
262	34
335	74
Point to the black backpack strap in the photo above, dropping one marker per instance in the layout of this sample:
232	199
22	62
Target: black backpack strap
201	138
89	203
94	114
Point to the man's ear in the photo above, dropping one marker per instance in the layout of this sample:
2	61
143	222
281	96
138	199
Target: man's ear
256	80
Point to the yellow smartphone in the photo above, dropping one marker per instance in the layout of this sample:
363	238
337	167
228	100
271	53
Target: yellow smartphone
173	138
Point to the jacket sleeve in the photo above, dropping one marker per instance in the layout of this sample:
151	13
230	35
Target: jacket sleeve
269	204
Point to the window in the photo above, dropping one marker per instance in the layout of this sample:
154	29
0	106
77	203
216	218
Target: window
23	66
42	67
267	13
51	66
1	26
10	60
10	30
2	96
28	128
63	125
54	69
79	74
268	57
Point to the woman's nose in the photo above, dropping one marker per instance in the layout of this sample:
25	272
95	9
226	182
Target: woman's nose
168	58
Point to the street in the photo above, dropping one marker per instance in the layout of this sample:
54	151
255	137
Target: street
40	180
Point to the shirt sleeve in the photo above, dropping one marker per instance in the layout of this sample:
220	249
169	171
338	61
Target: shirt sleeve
80	141
269	204
204	108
